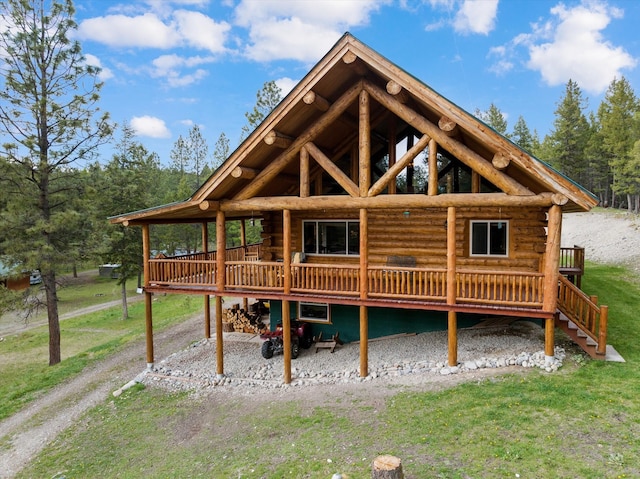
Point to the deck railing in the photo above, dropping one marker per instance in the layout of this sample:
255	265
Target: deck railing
504	289
584	311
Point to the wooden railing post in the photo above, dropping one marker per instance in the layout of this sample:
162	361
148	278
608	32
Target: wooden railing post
602	330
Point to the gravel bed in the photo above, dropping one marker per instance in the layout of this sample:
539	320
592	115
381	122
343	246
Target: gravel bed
194	368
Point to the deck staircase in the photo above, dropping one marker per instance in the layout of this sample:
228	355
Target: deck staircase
580	317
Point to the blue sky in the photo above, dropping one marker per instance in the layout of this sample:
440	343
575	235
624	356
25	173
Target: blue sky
170	64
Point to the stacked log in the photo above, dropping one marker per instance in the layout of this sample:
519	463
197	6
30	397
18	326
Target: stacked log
241	321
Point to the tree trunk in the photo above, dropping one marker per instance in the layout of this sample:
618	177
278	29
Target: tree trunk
49	281
629	203
387	467
125	307
75	270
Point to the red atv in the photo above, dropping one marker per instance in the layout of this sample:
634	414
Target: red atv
301	336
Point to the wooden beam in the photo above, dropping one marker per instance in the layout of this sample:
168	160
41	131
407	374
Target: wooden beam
331	168
148	297
364	143
276	166
460	151
312	98
219	339
244	172
364	341
452	326
552	259
500	160
395	89
351	59
395	170
278	139
448	126
316	203
286	339
304	173
432	185
208	205
207	302
475	182
392	187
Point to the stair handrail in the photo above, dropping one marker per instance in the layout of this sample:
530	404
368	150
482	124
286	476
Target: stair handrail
584	312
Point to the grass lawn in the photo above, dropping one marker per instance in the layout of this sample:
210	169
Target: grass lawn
581	422
24	370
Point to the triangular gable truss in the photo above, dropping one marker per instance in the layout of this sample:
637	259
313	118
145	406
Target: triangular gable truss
353	89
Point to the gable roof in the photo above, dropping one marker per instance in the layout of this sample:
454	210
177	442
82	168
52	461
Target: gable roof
324	108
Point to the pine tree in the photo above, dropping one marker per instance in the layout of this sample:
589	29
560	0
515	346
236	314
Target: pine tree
616	115
568	139
494	118
266	100
521	135
48	104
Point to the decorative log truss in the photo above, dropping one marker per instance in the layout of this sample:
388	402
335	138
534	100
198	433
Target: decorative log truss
452	289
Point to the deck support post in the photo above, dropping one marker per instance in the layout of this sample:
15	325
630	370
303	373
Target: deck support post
207	298
286	309
221	248
551	272
148	297
286	339
452	323
243	243
364	291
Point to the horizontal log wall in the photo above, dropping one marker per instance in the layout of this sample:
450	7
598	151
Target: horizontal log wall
422	234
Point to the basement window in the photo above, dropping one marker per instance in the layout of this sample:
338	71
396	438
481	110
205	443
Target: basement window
489	238
334	237
314	312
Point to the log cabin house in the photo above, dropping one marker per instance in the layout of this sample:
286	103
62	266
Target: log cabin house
353	242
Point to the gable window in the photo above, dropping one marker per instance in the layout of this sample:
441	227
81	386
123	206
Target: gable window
489	238
331	237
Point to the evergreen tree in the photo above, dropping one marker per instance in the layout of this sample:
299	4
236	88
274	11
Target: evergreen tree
221	151
48	104
568	139
617	117
266	100
128	182
494	118
521	135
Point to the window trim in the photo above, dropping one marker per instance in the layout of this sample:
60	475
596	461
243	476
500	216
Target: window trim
488	223
310	319
346	222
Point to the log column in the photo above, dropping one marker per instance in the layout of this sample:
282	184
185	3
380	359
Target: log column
364	143
452	326
364	290
286	309
207	298
148	297
243	243
432	188
221	249
551	272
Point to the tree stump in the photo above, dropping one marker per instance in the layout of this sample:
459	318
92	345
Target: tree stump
387	467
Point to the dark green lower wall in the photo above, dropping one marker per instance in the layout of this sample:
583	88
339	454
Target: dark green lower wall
382	321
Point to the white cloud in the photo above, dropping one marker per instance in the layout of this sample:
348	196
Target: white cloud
476	16
94	61
183	28
286	85
576	48
170	68
150	126
142	31
304	31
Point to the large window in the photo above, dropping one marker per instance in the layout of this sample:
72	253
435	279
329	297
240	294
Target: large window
489	238
331	237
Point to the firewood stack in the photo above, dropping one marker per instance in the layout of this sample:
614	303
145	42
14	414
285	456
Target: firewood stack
241	321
